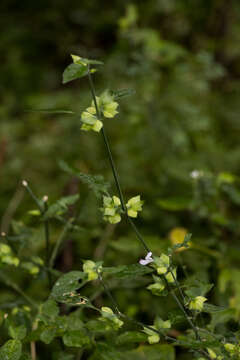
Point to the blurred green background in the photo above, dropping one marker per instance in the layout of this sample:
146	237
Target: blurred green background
175	141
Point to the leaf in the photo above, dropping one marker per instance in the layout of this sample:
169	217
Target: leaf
64	356
50	309
76	338
197	288
84	61
60	206
222	317
11	350
35	212
106	352
73	72
147	352
94	182
66	286
48	335
155	352
53	111
17	332
127	271
25	356
175	203
184	244
213	309
130	337
118	94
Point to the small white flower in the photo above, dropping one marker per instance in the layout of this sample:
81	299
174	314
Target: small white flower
195	174
148	259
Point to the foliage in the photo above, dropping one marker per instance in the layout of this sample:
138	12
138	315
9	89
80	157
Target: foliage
175	142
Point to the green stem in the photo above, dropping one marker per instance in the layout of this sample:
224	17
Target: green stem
182	308
15	287
113	166
106	142
117	182
46	231
59	243
36	200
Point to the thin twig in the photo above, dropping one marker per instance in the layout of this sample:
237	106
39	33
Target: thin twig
59	242
46	231
15	287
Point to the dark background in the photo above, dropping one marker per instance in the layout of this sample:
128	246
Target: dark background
183	60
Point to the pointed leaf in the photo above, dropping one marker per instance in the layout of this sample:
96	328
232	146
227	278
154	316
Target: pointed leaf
73	72
11	350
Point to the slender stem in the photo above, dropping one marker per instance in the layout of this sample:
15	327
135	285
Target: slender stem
16	288
106	142
107	291
59	243
139	236
117	182
46	231
33	196
182	308
177	284
120	314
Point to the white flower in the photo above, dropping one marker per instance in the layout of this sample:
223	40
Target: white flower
148	259
195	174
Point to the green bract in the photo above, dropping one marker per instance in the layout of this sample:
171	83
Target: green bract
111	209
162	324
109	316
7	257
90	121
162	264
171	276
134	205
197	303
106	104
156	288
90	268
232	349
153	337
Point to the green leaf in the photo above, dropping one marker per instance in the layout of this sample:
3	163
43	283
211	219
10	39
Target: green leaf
197	288
53	111
84	61
94	182
130	337
184	244
73	72
60	206
50	309
17	332
222	317
25	356
76	338
127	271
118	94
175	203
63	356
106	352
154	352
48	335
66	286
212	309
11	350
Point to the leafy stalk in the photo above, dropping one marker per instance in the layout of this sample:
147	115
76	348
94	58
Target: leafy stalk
59	242
118	186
